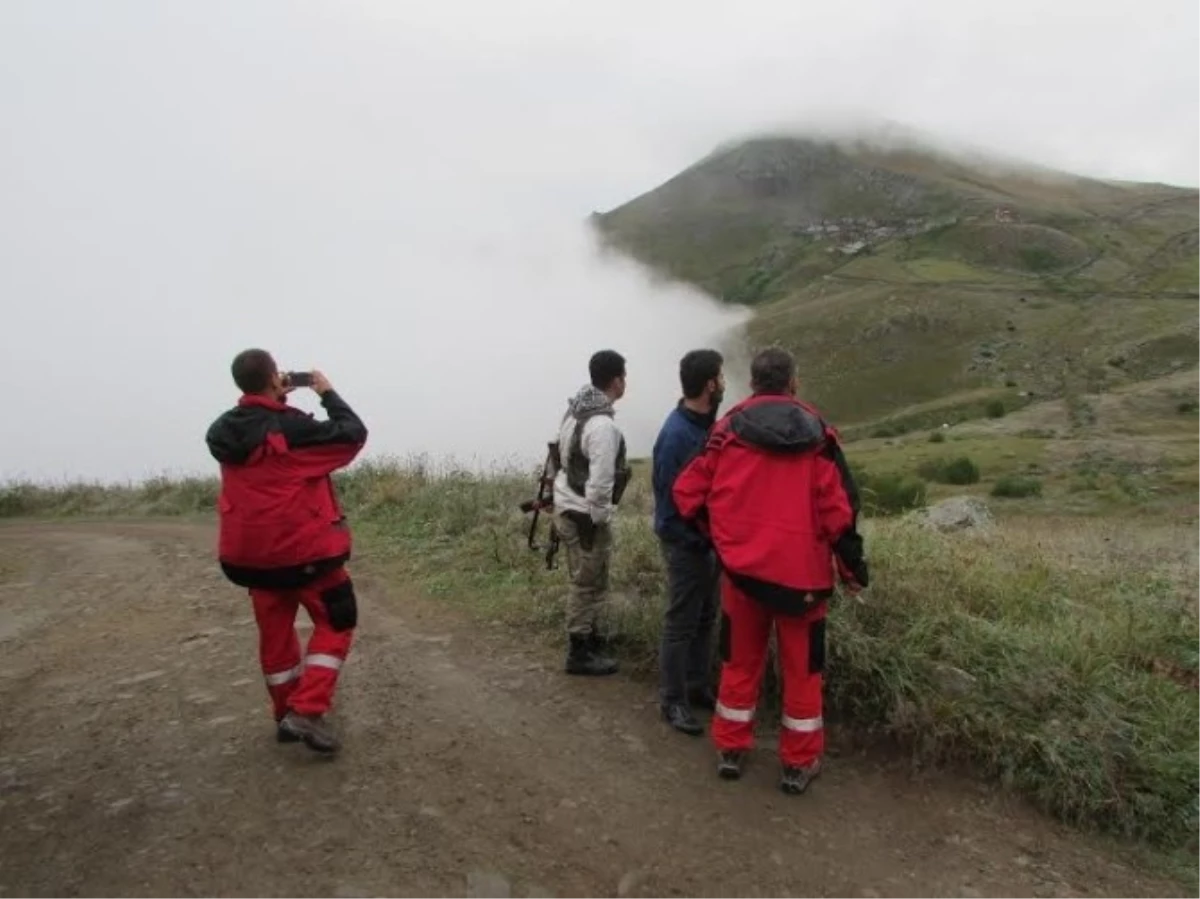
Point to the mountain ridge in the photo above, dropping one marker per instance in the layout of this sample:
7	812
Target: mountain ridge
903	275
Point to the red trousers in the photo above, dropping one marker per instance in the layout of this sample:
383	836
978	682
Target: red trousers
801	641
305	686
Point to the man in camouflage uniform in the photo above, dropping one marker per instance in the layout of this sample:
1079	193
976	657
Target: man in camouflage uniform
592	476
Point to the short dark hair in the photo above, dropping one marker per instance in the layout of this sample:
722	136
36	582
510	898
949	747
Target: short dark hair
252	370
606	366
696	369
771	370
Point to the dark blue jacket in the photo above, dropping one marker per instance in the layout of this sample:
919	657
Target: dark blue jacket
681	437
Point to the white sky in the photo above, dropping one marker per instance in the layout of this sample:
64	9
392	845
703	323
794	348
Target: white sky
357	184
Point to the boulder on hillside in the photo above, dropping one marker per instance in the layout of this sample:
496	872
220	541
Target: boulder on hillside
959	513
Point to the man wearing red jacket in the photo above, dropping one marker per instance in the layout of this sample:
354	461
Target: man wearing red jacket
773	490
284	537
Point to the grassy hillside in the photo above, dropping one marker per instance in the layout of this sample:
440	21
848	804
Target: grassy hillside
905	277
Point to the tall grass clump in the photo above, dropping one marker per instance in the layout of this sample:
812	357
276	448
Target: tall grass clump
1014	486
1072	681
155	496
960	470
888	492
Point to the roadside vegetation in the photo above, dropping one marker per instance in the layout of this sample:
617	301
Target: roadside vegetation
1055	656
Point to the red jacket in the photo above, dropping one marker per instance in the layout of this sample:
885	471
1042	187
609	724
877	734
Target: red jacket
773	490
281	524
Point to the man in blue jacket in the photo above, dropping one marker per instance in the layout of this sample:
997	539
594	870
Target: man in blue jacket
692	571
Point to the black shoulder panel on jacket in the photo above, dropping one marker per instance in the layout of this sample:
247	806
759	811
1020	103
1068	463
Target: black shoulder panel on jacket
236	434
343	425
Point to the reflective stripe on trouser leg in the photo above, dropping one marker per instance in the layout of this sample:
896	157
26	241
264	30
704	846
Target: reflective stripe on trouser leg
280	686
325	654
803	725
746	630
323	660
801	655
741	716
279	678
278	645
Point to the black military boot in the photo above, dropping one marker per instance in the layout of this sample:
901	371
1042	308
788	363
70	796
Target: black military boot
581	659
600	647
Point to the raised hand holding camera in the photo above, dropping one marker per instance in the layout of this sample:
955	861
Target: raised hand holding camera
319	383
314	380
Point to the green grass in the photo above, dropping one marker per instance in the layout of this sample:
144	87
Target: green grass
933	269
1061	699
1012	486
1048	658
1179	277
1073	479
950	410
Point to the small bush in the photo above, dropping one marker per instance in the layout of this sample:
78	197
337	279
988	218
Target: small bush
892	493
890	429
937	437
959	471
995	409
889	492
1013	486
1187	406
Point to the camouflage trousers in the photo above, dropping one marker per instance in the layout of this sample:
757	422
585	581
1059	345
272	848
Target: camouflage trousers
588	556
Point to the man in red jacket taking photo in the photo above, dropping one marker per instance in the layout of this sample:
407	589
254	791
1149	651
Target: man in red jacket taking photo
773	491
284	537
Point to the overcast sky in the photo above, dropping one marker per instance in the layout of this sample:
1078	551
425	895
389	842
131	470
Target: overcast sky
352	184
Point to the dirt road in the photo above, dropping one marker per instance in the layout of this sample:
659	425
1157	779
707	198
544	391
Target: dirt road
137	757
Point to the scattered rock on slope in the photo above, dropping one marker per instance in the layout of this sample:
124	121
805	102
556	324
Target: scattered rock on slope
959	513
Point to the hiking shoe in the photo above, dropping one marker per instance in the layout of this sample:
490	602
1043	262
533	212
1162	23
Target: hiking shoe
312	729
582	659
680	717
795	780
283	735
729	764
